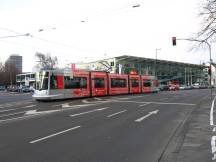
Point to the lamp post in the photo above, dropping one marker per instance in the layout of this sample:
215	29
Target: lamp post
156	51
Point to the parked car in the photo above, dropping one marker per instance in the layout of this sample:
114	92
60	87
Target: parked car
173	87
182	87
26	89
164	87
2	88
196	86
13	88
188	87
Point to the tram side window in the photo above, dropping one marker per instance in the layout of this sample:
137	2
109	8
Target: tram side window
99	82
147	83
135	83
117	82
76	82
53	82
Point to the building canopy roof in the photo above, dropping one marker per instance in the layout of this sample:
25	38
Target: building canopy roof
142	59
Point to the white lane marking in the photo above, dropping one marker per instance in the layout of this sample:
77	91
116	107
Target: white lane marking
162	103
85	101
97	98
213	147
120	112
120	98
63	104
96	102
29	106
87	112
33	112
7	110
137	96
12	114
17	118
211	113
14	104
53	135
144	104
146	116
17	108
162	99
38	113
75	106
173	103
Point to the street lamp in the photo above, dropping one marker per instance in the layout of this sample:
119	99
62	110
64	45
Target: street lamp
136	5
156	51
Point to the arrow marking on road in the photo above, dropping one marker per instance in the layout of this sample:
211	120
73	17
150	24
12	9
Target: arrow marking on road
146	116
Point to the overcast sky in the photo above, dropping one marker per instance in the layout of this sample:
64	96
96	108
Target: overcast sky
86	30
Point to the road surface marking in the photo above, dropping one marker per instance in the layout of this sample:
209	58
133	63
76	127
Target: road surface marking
116	113
136	96
144	104
162	103
146	116
12	114
53	135
162	99
213	147
173	103
96	98
7	110
35	112
87	112
122	98
212	113
17	118
17	108
29	106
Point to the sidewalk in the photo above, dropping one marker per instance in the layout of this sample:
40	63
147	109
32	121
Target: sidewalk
192	141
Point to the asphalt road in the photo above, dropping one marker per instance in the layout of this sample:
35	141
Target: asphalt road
133	128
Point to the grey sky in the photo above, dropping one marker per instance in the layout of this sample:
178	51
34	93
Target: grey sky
110	28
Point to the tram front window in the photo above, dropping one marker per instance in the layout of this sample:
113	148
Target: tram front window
42	80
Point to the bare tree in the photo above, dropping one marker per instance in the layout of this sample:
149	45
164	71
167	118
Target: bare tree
45	61
8	72
208	14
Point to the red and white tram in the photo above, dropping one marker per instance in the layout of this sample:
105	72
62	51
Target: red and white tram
62	84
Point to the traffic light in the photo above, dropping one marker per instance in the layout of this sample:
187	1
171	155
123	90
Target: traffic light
209	70
174	41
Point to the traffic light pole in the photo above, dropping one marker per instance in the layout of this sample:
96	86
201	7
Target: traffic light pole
210	59
209	46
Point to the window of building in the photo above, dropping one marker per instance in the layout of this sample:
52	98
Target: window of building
32	76
134	82
147	83
18	78
112	63
118	82
99	82
76	82
22	77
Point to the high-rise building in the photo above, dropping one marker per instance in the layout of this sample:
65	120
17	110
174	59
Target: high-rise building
16	60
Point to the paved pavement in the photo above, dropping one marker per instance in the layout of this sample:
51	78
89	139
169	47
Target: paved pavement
138	128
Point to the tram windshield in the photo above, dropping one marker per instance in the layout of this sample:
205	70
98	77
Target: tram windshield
42	80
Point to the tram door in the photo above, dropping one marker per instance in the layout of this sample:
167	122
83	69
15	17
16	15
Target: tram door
98	83
134	84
